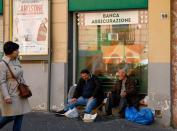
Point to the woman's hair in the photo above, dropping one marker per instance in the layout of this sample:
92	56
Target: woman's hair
10	47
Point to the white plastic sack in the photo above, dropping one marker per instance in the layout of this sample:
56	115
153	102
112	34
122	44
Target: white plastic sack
71	91
72	113
145	101
89	117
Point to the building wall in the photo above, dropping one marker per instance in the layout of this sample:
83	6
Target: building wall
159	59
59	52
174	62
59	30
6	18
36	76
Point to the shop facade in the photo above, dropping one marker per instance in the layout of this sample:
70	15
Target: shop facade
109	35
110	40
104	36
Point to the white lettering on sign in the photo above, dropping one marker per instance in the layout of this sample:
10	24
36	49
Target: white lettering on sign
111	18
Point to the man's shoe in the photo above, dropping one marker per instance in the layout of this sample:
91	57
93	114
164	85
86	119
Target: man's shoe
60	113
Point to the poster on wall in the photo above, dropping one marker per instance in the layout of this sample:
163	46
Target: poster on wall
30	26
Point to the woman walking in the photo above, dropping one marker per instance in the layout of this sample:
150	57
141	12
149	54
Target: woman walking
13	107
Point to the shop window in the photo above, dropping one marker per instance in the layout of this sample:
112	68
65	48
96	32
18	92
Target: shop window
108	41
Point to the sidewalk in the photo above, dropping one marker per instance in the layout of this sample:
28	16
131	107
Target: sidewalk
43	121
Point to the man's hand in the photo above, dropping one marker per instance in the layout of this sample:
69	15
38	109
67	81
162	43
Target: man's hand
8	101
73	100
123	94
109	94
91	98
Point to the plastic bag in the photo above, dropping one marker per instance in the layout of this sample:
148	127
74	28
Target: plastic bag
72	113
143	116
71	91
89	117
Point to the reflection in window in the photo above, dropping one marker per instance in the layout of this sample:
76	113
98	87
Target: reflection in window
106	48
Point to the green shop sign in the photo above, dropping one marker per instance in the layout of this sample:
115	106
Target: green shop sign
94	5
1	7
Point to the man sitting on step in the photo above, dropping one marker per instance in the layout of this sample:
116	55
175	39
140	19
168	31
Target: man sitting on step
123	93
87	93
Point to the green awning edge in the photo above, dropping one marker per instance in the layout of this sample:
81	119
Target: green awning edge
1	7
95	5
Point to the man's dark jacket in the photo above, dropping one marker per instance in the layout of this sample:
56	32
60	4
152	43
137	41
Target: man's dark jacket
130	89
97	91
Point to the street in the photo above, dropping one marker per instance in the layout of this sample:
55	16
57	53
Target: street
44	121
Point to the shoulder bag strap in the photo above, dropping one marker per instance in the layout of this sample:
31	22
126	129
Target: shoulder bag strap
13	76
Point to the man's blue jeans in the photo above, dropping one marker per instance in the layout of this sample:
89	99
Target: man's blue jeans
17	121
89	103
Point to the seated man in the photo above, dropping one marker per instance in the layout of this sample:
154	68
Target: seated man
123	93
87	93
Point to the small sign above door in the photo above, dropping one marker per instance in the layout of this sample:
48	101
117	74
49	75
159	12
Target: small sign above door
109	18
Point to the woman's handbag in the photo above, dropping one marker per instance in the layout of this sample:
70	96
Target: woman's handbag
24	91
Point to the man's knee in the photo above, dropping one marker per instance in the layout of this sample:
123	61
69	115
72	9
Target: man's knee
91	104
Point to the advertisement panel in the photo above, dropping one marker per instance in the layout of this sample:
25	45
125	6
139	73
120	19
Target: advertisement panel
30	26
